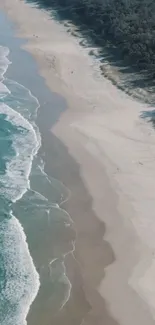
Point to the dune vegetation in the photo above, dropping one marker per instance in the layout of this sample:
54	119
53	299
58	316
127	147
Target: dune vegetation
126	27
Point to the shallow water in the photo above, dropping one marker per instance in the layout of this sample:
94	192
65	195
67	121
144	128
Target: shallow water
19	280
35	233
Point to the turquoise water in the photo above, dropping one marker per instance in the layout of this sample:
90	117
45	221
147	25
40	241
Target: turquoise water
31	221
19	142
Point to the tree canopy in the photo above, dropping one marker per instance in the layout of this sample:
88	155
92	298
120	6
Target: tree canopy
128	24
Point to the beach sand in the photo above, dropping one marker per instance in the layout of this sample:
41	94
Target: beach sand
112	140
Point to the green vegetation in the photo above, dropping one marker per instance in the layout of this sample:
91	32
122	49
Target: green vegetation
128	26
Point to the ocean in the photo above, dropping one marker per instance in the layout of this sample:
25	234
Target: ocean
35	232
20	141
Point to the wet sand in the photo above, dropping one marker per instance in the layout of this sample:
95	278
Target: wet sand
85	303
85	267
107	162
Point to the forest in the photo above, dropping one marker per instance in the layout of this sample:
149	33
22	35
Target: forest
127	25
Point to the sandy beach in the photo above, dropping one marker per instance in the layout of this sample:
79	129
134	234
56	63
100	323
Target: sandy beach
112	141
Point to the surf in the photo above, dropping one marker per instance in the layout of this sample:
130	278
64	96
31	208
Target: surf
20	141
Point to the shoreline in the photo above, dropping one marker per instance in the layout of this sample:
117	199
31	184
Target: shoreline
100	122
78	300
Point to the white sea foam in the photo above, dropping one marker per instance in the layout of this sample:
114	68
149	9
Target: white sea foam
26	104
21	278
3	90
4	61
16	179
24	99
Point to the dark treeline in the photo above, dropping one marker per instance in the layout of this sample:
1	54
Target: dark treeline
129	25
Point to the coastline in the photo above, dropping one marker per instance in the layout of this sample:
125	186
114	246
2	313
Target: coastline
81	300
100	121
